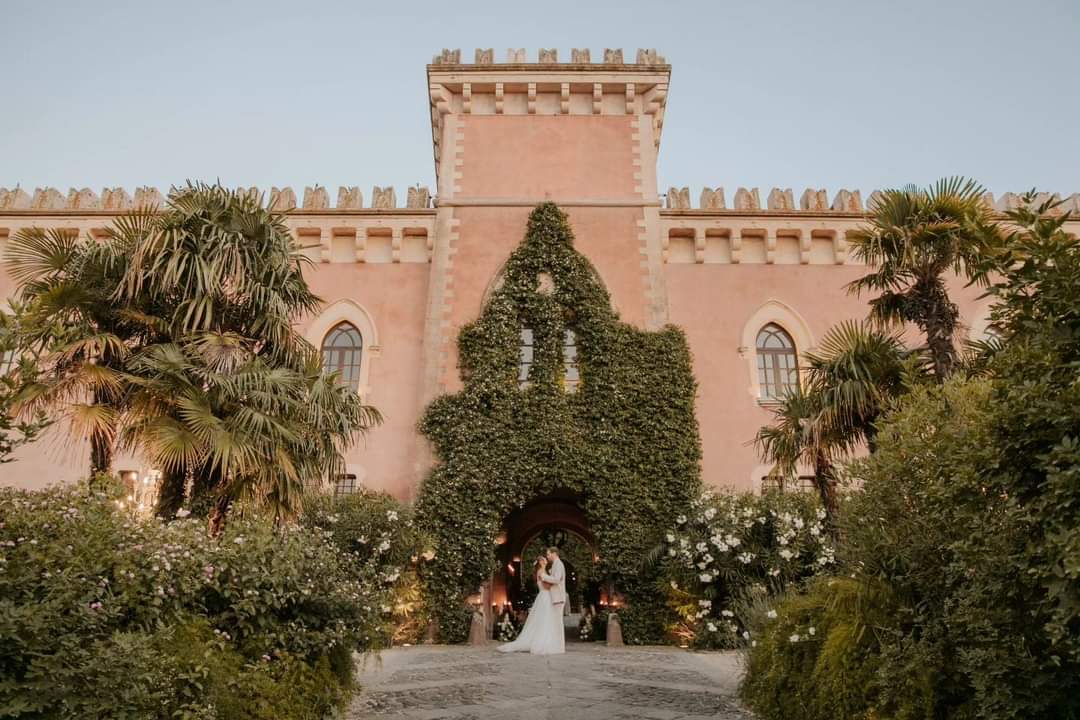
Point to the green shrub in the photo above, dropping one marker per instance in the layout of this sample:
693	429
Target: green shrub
816	655
379	532
732	548
106	615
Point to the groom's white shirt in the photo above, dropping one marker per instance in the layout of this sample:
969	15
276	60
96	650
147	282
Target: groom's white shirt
557	578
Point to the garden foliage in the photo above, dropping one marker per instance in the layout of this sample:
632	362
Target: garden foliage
963	545
105	615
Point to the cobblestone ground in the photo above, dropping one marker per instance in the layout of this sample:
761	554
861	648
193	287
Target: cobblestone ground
589	682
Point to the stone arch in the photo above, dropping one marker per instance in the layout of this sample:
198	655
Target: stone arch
499	276
778	313
352	312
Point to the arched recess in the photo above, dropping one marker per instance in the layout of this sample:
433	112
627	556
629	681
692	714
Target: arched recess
543	285
357	315
778	313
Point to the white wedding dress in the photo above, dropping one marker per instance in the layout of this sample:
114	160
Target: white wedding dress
542	633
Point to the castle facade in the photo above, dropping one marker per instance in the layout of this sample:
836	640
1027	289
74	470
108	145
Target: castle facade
754	279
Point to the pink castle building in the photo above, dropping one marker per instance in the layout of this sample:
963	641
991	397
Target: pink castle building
754	281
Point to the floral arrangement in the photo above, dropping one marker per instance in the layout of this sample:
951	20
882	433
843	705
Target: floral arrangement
506	630
585	627
736	551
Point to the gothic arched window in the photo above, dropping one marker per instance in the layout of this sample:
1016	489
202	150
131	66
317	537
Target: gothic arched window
342	349
7	361
777	362
525	358
571	372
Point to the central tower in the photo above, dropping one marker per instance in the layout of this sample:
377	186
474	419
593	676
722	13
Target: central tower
508	136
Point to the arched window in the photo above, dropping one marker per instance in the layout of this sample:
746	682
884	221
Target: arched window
525	358
7	361
777	363
571	372
342	350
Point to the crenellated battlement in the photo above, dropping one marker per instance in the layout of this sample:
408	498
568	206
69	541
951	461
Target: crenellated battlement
117	199
813	200
550	56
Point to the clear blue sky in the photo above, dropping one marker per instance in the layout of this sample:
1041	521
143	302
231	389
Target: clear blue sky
789	93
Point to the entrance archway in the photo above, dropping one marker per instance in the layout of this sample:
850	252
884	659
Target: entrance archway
553	520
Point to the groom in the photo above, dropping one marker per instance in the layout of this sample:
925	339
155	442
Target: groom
556	576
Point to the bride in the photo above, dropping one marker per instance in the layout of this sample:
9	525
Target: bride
542	633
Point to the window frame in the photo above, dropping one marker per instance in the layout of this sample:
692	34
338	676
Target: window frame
768	363
349	371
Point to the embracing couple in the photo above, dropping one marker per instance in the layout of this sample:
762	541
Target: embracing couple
543	630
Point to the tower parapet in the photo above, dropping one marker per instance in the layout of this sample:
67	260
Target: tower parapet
547	86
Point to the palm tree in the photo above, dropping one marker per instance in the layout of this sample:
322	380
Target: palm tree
914	237
75	330
243	428
175	337
858	372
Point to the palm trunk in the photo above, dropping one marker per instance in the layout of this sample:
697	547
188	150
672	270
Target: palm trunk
825	480
101	455
170	493
938	320
218	515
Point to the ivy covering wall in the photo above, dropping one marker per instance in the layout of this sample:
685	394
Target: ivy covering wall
625	443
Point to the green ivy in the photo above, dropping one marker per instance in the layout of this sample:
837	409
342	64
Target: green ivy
625	443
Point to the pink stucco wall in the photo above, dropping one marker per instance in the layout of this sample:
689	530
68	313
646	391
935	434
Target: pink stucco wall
395	297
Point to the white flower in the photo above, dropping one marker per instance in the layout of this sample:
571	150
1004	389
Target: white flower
674	585
182	513
681	520
710	513
812	631
798	523
746	635
239	540
705	577
671	552
794	638
753	643
786	554
746	557
391	515
702	547
712	627
670	537
727	613
771	614
704	603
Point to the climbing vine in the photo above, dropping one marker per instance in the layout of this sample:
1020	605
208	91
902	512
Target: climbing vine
625	443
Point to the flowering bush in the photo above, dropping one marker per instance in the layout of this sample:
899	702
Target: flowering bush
103	614
734	550
378	533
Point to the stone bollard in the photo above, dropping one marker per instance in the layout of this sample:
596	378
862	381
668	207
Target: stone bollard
477	631
614	631
431	634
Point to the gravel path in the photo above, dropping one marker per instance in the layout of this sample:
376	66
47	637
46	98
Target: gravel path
589	682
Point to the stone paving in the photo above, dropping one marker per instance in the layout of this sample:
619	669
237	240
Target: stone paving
589	682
